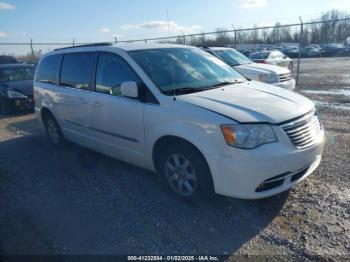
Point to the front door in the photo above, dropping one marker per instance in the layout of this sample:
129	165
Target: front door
117	121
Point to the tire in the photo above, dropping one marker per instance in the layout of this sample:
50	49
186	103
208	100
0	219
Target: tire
185	173
6	106
53	131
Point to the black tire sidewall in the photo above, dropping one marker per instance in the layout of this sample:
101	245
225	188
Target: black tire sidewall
61	141
204	188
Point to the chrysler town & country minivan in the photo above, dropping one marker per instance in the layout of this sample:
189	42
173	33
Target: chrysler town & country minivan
182	113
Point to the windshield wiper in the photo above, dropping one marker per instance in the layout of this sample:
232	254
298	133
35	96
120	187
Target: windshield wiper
188	90
184	90
225	83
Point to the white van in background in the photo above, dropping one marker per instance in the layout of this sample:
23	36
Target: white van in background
270	74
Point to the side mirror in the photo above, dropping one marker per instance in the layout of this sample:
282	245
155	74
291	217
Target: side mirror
129	89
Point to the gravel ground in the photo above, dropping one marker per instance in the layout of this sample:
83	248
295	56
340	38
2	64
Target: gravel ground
75	201
324	71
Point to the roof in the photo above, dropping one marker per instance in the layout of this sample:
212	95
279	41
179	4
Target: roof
142	46
124	46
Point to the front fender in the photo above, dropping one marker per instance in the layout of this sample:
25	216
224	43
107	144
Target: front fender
207	138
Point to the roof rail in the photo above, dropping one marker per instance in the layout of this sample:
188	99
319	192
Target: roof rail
85	45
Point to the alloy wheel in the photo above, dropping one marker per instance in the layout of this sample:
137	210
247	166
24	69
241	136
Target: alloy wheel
181	175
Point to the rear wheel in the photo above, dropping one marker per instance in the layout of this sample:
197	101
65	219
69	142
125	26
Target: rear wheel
185	172
53	130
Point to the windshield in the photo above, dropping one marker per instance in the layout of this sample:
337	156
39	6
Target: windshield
16	74
232	57
185	68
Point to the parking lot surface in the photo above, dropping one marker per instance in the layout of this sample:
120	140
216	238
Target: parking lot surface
75	201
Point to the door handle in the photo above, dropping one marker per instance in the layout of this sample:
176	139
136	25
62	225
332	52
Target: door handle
96	104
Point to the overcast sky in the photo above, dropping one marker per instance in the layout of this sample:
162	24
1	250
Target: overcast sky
101	20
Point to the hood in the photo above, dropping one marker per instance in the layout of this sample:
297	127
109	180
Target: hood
24	86
258	69
252	102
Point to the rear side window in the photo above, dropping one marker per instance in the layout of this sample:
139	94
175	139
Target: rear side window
76	70
48	69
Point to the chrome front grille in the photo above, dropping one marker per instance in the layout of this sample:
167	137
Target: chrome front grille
303	132
285	77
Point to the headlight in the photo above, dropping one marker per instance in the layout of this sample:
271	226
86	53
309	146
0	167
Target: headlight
248	136
15	94
269	78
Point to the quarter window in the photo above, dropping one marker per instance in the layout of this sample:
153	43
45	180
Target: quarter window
48	69
112	71
77	70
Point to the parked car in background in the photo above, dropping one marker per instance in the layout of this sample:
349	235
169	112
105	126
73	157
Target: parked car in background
181	112
270	74
16	87
277	48
5	59
246	52
272	58
315	46
291	51
310	51
347	49
333	50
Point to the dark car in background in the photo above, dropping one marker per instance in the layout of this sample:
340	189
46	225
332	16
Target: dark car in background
16	87
333	50
310	51
5	59
291	51
347	50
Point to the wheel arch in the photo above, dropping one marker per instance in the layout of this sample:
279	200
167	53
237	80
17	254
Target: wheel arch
168	140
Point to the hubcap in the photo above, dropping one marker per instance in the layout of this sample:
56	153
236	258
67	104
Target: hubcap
52	130
180	174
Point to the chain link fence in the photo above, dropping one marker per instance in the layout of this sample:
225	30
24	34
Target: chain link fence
320	50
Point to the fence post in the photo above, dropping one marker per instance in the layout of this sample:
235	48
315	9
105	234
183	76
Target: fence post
301	40
31	48
235	31
184	39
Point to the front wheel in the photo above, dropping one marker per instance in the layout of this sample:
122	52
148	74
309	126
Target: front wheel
185	172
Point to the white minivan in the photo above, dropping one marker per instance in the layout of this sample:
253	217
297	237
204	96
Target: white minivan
180	112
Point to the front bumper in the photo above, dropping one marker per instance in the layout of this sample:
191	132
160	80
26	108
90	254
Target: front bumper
246	173
290	85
